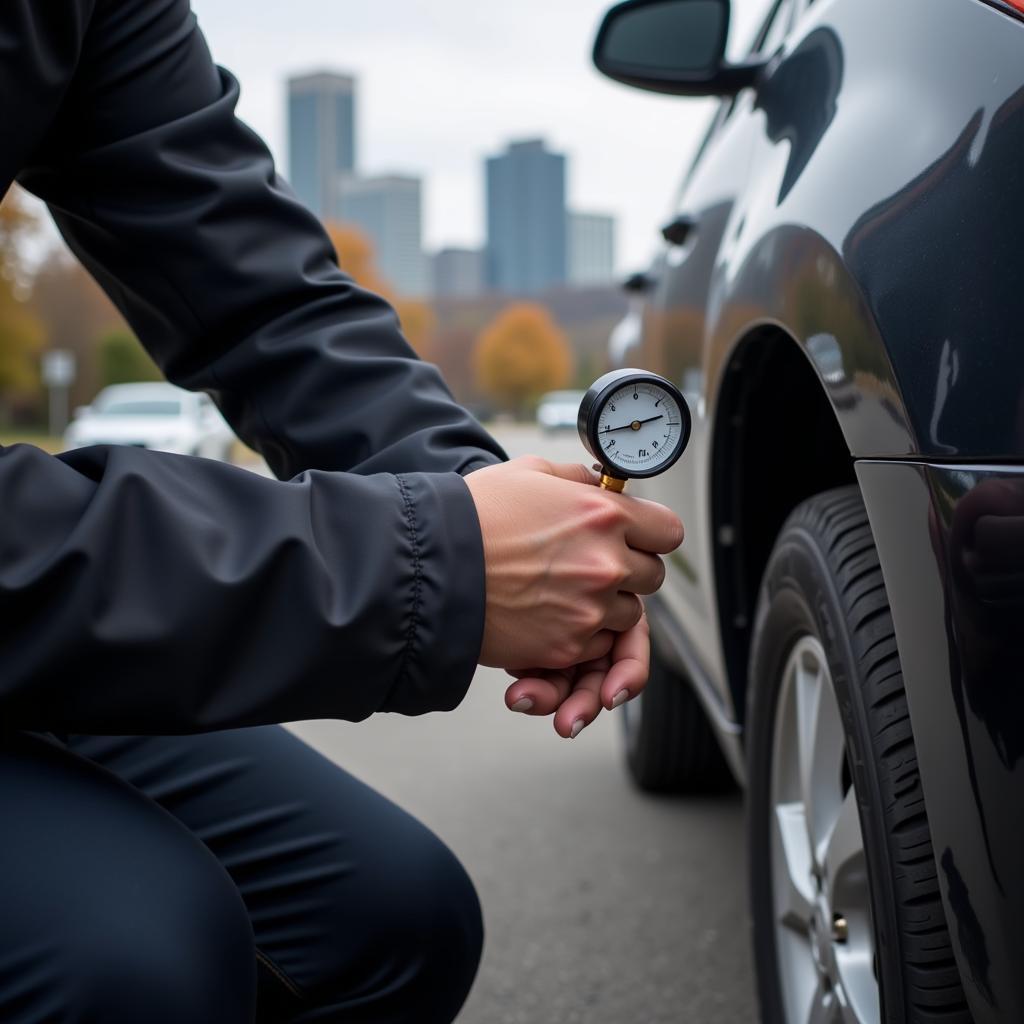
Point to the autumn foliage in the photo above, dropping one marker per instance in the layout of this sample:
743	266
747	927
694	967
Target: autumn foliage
356	257
521	355
21	336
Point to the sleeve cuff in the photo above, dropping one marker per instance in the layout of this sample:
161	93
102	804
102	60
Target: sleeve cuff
447	594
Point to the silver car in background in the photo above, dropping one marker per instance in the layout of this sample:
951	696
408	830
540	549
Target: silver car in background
159	416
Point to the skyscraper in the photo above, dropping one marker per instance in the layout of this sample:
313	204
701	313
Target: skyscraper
389	211
526	219
591	249
458	274
321	137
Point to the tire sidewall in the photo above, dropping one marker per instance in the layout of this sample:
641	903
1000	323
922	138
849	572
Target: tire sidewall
799	598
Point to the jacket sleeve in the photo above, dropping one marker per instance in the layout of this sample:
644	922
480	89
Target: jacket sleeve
142	592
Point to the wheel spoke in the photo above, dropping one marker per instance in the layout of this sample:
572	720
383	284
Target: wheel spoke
843	850
792	856
859	1004
821	745
824	1008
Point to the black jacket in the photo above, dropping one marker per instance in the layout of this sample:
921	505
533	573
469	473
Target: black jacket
144	592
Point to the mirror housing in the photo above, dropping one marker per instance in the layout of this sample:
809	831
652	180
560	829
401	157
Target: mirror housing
676	47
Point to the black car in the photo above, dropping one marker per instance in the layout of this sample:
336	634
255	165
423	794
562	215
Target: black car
841	299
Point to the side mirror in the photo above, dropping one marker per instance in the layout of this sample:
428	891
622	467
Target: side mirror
671	46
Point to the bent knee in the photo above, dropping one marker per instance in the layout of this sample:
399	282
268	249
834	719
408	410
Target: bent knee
420	940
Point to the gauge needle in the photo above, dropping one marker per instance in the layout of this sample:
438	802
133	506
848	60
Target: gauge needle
630	425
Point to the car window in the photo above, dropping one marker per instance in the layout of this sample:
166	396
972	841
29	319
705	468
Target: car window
775	28
140	407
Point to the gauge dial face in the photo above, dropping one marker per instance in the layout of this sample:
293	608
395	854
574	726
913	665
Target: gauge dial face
640	429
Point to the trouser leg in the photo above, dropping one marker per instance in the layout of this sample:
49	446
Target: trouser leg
110	911
359	912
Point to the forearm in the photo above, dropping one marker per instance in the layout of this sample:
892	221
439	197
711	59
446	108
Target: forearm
148	593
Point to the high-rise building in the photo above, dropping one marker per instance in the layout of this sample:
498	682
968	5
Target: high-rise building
389	211
526	219
459	273
321	137
591	249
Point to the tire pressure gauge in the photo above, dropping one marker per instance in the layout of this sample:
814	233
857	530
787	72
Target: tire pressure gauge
635	423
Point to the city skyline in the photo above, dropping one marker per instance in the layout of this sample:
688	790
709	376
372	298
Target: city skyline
443	87
534	242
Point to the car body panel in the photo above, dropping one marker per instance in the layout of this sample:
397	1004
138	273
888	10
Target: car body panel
951	541
892	274
864	201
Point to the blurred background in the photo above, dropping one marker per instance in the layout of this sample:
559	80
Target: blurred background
471	165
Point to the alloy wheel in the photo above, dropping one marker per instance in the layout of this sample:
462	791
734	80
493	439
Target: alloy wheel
824	935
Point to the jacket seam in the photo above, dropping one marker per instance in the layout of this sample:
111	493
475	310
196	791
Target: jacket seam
279	974
410	649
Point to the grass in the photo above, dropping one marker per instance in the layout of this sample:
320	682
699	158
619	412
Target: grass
39	438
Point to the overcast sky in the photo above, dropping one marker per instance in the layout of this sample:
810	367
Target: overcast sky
445	83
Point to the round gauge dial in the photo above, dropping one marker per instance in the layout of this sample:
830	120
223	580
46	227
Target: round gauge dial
635	423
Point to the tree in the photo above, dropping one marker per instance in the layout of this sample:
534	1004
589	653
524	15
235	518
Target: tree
418	325
76	314
21	341
521	355
21	336
122	360
356	257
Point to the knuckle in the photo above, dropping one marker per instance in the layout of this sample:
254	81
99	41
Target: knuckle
605	571
567	654
586	621
600	513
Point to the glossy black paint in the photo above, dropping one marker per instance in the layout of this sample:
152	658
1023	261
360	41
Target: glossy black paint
952	545
858	214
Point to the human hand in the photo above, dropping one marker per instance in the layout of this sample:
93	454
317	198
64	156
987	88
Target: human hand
575	696
564	562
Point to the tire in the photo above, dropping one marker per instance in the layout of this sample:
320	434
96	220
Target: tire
823	627
669	744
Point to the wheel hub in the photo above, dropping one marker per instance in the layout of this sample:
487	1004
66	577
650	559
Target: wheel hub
821	936
825	956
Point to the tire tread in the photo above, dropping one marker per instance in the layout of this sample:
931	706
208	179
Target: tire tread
836	524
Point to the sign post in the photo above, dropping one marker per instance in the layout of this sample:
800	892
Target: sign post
58	375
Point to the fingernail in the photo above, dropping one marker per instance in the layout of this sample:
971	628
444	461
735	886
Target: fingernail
523	704
620	698
577	728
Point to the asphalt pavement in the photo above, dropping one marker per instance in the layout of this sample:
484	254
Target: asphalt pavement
602	905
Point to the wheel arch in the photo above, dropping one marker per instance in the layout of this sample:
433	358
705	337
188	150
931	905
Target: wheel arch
777	440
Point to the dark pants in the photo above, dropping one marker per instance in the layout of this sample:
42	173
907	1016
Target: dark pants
226	878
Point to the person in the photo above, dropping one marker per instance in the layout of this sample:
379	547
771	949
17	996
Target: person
170	853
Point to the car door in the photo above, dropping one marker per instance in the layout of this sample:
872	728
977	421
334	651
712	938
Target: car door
673	344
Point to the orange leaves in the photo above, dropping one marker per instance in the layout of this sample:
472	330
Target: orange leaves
521	355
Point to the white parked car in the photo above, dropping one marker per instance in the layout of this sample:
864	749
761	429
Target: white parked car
558	410
153	415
